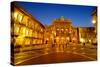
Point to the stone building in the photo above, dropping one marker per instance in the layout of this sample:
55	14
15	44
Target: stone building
86	34
26	31
61	31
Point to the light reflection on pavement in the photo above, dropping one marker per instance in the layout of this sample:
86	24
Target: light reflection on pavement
87	51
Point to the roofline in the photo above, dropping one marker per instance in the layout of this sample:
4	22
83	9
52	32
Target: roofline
94	11
25	12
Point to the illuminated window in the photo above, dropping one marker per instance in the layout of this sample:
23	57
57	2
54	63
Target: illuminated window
16	29
19	40
40	36
30	33
25	20
93	21
58	29
15	15
23	31
27	41
20	17
36	26
34	41
41	41
67	30
27	32
35	34
62	29
33	24
30	23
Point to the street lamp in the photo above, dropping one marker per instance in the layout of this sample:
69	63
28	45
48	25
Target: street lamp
93	21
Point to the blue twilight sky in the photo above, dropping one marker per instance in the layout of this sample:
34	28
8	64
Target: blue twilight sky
45	13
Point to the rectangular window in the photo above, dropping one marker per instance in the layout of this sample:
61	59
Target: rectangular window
30	33
15	15
34	41
16	29
20	16
19	40
35	34
27	32
23	31
30	23
26	41
25	20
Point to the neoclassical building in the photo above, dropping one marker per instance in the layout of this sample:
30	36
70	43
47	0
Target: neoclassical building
87	34
26	31
61	31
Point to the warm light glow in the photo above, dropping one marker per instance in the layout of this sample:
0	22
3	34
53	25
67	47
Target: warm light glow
93	21
82	40
62	38
58	29
47	39
67	38
62	29
24	31
27	41
30	33
27	32
51	37
25	20
90	41
15	15
19	18
35	34
53	32
20	39
57	38
16	29
41	30
66	29
74	38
